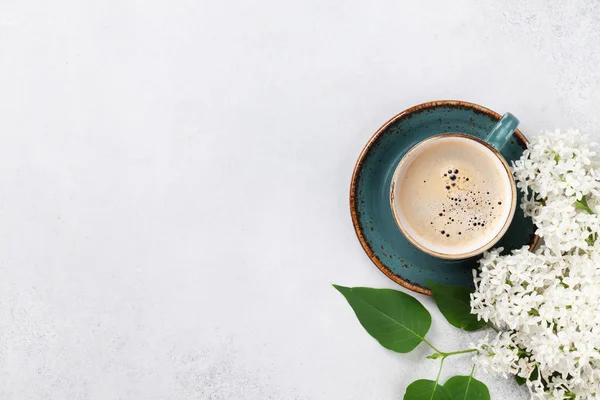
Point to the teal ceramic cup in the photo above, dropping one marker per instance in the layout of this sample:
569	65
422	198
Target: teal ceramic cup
415	207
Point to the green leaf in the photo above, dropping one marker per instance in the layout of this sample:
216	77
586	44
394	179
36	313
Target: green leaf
534	374
396	320
455	304
466	388
591	239
520	380
583	205
424	389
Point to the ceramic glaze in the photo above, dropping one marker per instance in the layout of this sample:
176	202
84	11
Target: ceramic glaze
370	206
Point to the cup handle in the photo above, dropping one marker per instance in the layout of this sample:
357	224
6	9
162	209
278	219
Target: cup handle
502	132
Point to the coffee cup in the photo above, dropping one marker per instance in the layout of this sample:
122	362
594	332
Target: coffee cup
453	195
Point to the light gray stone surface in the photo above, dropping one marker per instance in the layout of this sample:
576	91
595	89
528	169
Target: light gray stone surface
174	182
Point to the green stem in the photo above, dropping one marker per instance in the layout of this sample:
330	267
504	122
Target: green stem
583	205
439	371
453	353
472	370
440	354
432	346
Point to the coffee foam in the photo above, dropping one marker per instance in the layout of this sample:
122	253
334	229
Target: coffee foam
454	195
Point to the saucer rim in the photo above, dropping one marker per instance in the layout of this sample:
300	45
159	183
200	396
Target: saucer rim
521	139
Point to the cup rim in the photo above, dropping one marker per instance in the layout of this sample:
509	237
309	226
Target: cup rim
488	244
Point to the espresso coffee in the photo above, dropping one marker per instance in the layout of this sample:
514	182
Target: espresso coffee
454	195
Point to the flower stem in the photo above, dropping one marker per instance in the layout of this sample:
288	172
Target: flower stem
453	353
472	370
493	327
440	354
583	205
437	379
432	346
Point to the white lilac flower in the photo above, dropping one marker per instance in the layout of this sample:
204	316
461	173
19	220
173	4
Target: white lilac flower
546	303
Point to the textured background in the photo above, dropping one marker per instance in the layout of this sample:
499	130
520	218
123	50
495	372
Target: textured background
174	182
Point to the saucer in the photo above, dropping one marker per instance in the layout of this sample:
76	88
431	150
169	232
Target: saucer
370	207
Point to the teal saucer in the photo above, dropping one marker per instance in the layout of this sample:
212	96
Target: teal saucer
370	192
